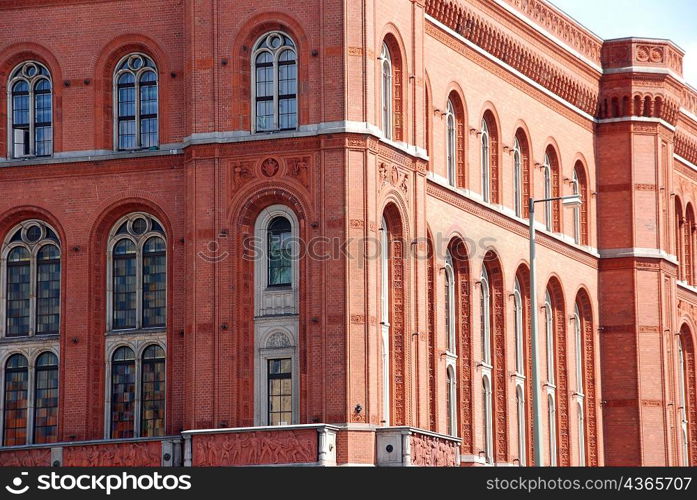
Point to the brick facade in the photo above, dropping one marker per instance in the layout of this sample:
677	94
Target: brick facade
538	87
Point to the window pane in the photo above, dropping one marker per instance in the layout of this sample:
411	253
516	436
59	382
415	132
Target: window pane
279	252
153	392
287	113
264	115
127	105
16	391
46	399
124	283
127	134
123	392
148	133
154	283
47	290
18	292
20	109
280	406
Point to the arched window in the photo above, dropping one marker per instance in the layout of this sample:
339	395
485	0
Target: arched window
451	133
275	86
449	299
152	392
385	322
580	187
577	210
386	91
679	251
451	401
581	435
486	162
684	434
520	411
578	350
31	277
30	110
137	285
123	393
485	320
547	172
689	244
552	418
549	337
488	420
518	327
280	264
517	179
46	398
136	103
16	401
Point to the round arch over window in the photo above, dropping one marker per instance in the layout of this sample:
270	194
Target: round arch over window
137	274
30	274
30	109
135	103
274	83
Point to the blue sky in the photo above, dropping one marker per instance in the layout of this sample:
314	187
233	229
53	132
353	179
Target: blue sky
673	19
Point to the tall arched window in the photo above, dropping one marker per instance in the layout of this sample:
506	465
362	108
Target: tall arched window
581	434
486	162
689	244
684	434
522	428
451	402
152	417
46	398
123	393
451	141
386	91
517	179
137	284
449	299
547	172
30	403
679	251
31	280
280	263
518	327
385	321
552	427
136	103
549	337
580	187
30	110
16	402
485	320
578	350
488	420
275	86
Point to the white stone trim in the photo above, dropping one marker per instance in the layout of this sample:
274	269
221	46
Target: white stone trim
684	161
644	119
645	253
644	69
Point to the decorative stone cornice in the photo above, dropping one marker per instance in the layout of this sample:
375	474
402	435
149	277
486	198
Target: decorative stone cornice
488	36
560	26
685	146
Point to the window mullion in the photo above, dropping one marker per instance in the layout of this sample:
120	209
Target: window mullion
276	110
136	98
31	377
137	402
33	276
32	112
139	285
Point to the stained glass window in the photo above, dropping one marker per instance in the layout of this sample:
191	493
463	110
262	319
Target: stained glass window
137	102
153	392
18	292
16	401
31	112
276	83
280	408
280	252
124	278
48	290
154	283
46	399
123	393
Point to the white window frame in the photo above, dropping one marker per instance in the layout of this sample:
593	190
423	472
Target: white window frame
518	329
275	53
517	179
521	424
451	142
137	343
386	90
549	339
450	320
385	320
547	172
485	327
33	249
451	386
31	351
17	74
576	209
552	428
486	162
581	433
278	343
137	73
487	415
684	424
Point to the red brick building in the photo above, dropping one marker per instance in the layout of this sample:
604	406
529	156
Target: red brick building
296	232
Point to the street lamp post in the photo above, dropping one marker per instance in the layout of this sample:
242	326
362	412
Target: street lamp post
572	200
